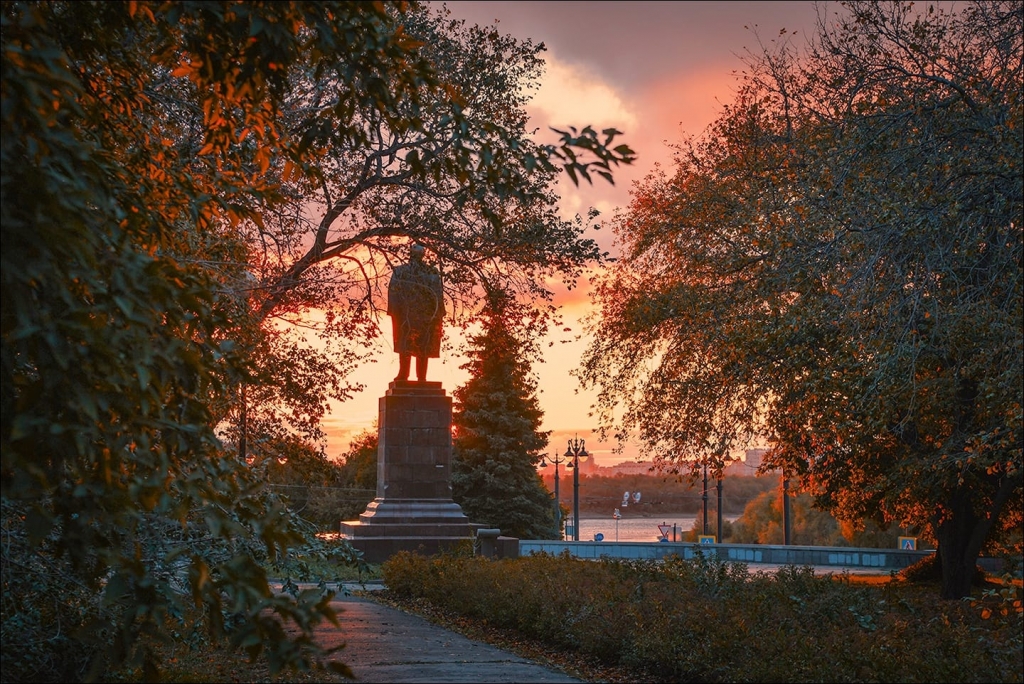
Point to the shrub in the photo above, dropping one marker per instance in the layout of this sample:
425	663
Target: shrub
928	569
321	560
706	620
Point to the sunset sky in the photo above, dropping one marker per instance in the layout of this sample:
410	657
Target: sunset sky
659	72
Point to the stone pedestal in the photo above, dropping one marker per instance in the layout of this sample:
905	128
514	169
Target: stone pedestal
413	509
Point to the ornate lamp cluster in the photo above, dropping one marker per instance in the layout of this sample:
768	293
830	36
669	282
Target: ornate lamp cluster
571	458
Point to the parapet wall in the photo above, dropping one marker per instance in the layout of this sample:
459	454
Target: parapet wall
837	556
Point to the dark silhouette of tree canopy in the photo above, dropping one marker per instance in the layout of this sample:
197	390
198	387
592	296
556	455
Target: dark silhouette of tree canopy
836	266
158	161
442	156
498	441
358	472
359	463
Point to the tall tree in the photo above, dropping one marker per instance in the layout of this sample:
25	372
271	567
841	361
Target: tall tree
407	126
498	441
116	494
150	151
358	475
836	265
452	166
309	483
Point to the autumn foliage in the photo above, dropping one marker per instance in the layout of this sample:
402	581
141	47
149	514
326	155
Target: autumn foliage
834	267
157	161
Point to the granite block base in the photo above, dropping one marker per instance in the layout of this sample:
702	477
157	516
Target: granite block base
413	509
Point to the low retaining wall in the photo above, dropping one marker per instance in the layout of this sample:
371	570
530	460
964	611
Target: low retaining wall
836	556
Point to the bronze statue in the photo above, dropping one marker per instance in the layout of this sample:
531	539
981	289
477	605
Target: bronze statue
416	307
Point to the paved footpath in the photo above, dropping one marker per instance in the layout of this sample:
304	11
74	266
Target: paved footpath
384	644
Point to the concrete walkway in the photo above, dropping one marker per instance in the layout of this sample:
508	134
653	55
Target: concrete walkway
383	644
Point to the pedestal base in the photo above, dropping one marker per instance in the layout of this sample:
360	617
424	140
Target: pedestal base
380	542
413	510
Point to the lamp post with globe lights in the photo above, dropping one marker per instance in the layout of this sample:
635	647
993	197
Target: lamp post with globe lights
575	450
557	460
704	499
726	460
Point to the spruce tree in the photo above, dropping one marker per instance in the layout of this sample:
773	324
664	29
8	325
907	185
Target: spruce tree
498	441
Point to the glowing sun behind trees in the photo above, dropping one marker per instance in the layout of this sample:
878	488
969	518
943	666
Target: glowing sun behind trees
836	265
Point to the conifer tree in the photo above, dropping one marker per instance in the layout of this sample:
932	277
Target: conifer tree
498	441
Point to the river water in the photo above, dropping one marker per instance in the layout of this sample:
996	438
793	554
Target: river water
639	529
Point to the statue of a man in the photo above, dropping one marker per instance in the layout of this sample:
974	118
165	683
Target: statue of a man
416	307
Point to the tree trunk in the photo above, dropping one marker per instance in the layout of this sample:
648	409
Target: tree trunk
960	537
957	570
962	534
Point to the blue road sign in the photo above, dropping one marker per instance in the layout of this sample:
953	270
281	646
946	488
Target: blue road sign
908	543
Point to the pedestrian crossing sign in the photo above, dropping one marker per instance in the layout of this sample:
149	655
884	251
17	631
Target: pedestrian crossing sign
908	543
706	539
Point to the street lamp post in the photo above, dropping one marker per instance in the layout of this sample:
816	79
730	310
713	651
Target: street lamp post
785	510
575	450
243	413
243	428
718	530
558	504
726	460
704	496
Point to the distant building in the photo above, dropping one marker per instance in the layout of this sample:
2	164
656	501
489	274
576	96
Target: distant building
747	467
629	468
741	465
753	457
739	469
588	466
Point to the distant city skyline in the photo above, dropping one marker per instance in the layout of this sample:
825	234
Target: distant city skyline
744	463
